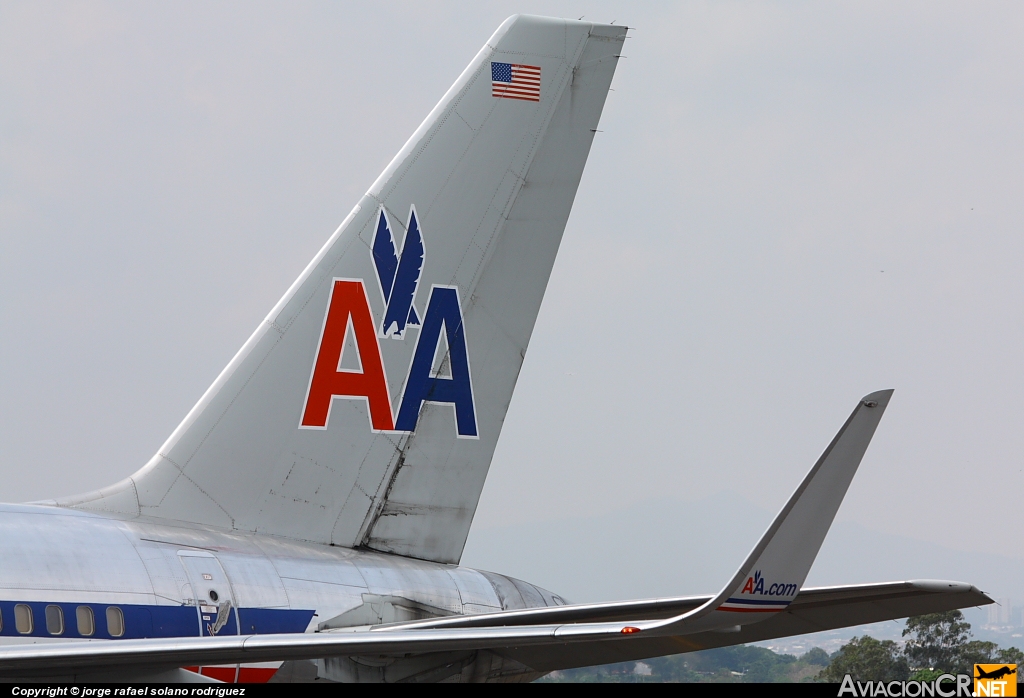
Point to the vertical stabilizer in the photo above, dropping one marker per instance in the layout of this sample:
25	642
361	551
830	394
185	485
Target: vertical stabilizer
365	409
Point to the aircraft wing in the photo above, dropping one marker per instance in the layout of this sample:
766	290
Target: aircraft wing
764	599
558	638
817	608
814	610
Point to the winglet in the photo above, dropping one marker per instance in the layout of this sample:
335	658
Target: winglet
775	570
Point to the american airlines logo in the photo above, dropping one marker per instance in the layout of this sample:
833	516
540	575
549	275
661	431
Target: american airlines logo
756	585
441	335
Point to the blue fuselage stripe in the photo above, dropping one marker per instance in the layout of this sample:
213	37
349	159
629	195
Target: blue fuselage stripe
143	621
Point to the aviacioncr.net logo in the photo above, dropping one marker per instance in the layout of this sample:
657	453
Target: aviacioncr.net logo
946	686
995	679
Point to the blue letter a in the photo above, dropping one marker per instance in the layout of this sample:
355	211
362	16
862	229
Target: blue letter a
442	311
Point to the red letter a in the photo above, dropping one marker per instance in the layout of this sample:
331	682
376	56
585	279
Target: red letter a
348	300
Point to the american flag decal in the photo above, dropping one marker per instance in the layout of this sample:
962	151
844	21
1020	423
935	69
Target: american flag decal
515	81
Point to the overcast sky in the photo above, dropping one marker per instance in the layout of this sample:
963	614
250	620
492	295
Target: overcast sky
790	205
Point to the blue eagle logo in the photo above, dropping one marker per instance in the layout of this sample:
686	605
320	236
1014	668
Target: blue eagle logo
399	277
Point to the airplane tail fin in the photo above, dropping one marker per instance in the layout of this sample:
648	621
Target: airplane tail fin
365	409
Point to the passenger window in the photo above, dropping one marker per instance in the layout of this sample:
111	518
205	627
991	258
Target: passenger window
54	620
86	621
23	618
115	621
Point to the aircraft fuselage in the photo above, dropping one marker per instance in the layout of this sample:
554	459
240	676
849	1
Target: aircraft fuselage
69	574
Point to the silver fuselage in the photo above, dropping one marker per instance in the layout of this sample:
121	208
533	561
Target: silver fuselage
117	579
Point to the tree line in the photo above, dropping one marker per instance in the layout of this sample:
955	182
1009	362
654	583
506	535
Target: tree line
938	643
